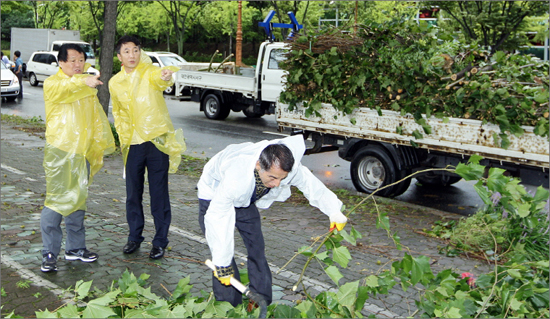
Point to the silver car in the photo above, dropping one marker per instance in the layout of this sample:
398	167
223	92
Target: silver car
10	83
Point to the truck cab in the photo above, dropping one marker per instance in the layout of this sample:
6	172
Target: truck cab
254	91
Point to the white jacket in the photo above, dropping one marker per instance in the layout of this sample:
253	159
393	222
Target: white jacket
228	182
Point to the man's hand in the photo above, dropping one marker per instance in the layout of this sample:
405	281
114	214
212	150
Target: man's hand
338	221
93	81
224	274
166	74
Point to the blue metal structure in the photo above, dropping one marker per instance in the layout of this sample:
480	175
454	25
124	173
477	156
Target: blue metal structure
268	25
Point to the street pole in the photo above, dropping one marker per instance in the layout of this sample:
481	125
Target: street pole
238	53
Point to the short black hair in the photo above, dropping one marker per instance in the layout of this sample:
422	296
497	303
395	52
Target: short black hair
17	53
63	54
277	154
126	39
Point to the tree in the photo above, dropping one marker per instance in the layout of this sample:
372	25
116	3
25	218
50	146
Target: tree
15	14
107	50
180	12
492	24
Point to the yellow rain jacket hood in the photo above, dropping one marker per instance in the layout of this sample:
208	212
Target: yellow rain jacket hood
77	131
139	107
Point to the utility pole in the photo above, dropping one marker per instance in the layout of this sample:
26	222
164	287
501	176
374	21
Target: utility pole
238	53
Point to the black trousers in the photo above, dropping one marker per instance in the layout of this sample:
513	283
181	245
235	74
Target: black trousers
146	155
20	78
248	222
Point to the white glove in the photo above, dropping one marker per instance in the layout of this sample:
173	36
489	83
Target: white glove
338	221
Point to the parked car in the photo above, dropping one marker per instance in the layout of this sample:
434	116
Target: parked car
163	59
10	83
43	64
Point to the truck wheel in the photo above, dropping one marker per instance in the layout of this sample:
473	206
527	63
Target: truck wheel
170	90
404	185
372	168
213	108
445	179
32	79
252	115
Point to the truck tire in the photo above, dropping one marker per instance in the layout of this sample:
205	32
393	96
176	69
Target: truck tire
404	185
213	108
445	179
32	79
372	168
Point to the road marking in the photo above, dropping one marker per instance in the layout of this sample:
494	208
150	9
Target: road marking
11	169
308	282
275	133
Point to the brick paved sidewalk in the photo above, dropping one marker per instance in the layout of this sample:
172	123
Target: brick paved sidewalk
287	227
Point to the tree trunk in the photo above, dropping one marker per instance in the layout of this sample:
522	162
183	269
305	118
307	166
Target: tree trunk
107	50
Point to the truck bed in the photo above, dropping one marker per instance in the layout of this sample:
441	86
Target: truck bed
459	136
216	81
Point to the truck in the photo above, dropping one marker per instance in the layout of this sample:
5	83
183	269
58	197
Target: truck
254	91
380	156
28	40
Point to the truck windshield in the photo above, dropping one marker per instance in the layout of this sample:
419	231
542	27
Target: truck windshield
88	49
172	60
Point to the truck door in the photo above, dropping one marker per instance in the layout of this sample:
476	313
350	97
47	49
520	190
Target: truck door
272	74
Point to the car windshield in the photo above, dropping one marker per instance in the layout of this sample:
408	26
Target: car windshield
88	49
172	60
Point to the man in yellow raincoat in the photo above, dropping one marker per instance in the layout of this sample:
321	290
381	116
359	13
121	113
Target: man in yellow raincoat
147	140
78	134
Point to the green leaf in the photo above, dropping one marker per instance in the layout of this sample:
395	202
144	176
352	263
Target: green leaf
341	255
105	299
383	221
307	308
46	314
417	135
483	193
523	209
333	273
182	288
470	172
355	233
284	311
348	237
542	96
454	312
353	120
346	294
69	311
372	281
362	296
442	291
474	159
97	311
541	194
83	288
496	180
514	273
306	251
421	269
515	304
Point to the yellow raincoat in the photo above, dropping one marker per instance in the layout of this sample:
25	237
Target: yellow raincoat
77	131
139	107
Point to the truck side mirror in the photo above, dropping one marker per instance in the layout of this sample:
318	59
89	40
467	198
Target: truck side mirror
156	64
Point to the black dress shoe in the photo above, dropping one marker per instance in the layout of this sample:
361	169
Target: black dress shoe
130	247
156	253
